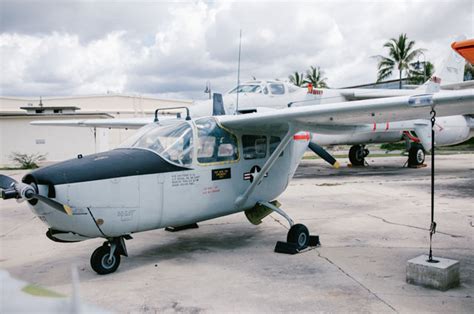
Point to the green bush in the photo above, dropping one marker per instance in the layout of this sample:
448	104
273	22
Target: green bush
27	161
393	146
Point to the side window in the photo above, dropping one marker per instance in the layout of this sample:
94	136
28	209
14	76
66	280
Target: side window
274	141
215	144
255	146
277	89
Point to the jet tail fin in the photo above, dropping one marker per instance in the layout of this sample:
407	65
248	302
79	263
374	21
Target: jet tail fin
450	71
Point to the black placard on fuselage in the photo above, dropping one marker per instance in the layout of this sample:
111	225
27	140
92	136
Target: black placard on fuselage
220	174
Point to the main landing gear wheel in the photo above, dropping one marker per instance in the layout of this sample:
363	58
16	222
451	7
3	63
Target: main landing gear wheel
357	154
102	262
299	235
416	155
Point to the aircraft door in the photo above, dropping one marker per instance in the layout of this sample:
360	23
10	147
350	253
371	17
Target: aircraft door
151	201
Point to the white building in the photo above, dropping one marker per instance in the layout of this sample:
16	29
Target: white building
60	143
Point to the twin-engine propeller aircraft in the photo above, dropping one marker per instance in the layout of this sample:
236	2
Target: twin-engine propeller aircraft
223	164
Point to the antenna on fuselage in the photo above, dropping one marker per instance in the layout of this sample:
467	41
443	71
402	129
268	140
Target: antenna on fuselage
238	73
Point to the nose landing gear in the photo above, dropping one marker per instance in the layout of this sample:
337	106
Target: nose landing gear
106	258
357	154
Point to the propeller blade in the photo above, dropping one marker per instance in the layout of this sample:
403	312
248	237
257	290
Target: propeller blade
6	182
321	152
56	205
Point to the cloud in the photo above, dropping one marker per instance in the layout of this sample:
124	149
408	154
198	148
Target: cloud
173	48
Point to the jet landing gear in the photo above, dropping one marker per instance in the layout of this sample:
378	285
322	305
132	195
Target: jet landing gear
416	155
298	237
106	258
357	154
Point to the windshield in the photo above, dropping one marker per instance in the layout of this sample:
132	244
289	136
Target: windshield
173	142
246	89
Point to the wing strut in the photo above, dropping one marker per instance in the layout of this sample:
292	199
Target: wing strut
241	199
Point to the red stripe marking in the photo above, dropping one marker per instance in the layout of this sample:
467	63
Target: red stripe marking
301	136
411	137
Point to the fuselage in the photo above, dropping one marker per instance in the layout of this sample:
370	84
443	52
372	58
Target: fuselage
167	175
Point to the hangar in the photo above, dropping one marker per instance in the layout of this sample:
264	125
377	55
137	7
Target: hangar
60	143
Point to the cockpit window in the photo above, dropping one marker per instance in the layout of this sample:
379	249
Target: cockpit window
254	146
173	142
277	89
215	144
248	88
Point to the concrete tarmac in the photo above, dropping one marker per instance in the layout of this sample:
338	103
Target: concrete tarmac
371	221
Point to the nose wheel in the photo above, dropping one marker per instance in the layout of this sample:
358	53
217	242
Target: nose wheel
357	154
104	261
106	258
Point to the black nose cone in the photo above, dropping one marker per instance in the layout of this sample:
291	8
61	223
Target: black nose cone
111	164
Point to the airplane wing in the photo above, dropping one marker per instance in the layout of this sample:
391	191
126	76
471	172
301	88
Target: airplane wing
346	114
131	123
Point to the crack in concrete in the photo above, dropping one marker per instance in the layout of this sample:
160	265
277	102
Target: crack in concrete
278	221
355	280
415	227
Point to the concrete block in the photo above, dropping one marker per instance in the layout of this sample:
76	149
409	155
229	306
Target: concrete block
442	275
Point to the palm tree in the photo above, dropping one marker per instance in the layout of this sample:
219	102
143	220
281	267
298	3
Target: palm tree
297	79
401	54
420	72
468	72
315	76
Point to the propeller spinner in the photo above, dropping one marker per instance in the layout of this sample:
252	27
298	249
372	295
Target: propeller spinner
10	188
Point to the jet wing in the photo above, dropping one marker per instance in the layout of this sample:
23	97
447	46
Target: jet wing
346	114
131	123
351	94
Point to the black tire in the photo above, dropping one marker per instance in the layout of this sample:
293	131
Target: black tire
357	155
298	235
99	261
416	155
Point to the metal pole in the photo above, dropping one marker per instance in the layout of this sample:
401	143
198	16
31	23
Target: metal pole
238	73
433	223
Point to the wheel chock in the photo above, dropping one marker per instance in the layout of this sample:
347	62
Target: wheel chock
292	248
286	248
417	166
181	228
314	241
